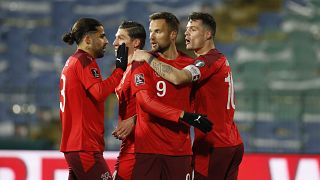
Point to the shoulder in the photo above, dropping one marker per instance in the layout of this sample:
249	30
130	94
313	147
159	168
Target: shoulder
183	60
185	57
213	55
83	58
210	63
136	65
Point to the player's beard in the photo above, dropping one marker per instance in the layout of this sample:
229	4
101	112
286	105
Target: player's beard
161	49
100	52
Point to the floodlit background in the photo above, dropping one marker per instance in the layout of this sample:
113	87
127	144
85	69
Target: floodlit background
273	47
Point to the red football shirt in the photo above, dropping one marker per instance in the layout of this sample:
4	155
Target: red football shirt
82	116
154	134
127	107
214	96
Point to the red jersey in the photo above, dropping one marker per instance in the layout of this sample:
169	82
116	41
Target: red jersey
82	116
214	96
127	107
153	134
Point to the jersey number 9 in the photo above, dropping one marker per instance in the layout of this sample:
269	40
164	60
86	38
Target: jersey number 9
161	88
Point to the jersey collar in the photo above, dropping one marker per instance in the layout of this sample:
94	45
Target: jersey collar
80	51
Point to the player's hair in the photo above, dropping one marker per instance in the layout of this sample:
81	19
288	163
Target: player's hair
135	31
206	19
80	28
170	19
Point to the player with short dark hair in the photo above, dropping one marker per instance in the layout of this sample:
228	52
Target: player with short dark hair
135	31
172	21
162	134
218	153
133	35
82	96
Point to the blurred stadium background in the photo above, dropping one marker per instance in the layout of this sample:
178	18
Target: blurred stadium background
272	45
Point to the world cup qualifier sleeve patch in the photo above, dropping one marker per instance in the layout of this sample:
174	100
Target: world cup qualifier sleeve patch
199	63
95	73
139	79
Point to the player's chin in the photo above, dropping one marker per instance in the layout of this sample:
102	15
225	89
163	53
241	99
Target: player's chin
154	48
189	47
100	54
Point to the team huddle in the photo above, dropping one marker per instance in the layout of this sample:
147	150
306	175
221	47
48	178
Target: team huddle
162	93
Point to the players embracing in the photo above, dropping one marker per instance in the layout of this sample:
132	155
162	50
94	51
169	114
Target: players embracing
159	133
218	153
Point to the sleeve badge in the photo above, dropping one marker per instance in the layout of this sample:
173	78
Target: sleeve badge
139	79
199	63
95	72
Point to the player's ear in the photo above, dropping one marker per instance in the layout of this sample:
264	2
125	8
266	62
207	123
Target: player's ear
208	35
87	39
136	43
173	35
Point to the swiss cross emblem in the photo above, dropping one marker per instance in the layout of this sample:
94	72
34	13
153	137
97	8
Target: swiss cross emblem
139	79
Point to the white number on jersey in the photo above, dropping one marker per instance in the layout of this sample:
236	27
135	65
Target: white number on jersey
62	92
229	80
161	88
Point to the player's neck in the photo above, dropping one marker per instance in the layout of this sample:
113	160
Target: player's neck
130	58
85	50
205	49
130	54
171	53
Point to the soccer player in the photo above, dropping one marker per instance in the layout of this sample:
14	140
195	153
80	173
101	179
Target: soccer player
219	153
162	141
133	35
82	96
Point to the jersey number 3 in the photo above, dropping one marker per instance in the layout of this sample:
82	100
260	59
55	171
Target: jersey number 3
230	102
62	93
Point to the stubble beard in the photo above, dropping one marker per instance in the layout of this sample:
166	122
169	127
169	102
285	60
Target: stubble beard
161	49
100	53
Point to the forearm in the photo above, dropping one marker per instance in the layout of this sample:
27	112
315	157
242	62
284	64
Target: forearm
100	91
168	72
154	107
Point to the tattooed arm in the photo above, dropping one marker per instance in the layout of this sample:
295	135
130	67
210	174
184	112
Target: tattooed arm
166	71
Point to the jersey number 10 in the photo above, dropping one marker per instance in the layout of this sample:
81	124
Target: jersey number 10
230	102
